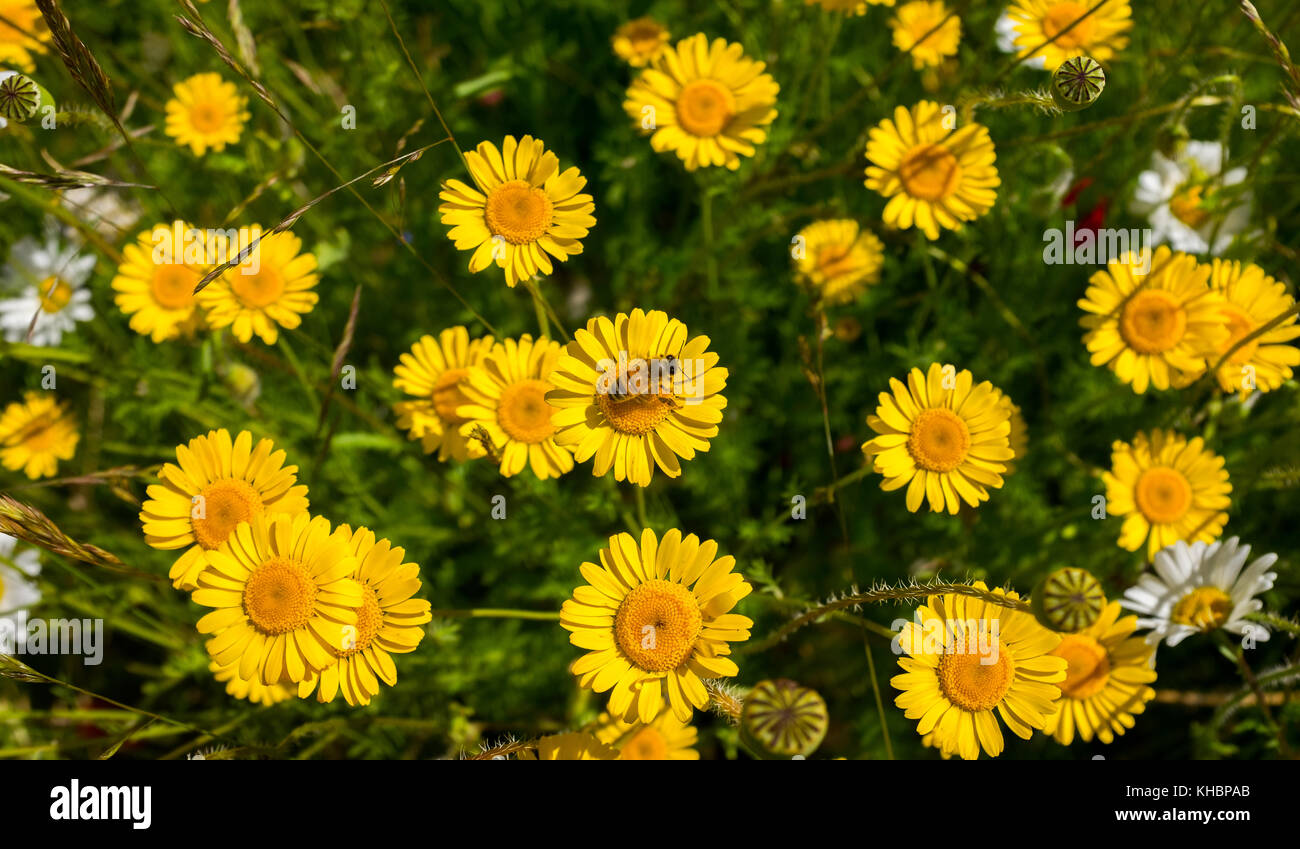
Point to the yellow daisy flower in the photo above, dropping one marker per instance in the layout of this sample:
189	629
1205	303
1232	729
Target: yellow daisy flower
249	689
665	739
155	282
1252	298
706	102
933	176
1154	329
282	596
571	746
927	29
270	289
433	371
35	433
656	620
207	113
388	622
1079	27
965	658
215	484
636	394
639	41
1106	680
848	7
506	399
520	209
22	33
837	259
1169	488
943	437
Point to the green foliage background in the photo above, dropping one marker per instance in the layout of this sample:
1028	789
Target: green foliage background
981	298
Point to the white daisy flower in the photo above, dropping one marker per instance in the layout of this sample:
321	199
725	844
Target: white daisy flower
16	591
46	278
1187	202
1199	588
1007	35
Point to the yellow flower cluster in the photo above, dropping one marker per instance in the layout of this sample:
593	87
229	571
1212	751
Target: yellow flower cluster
298	606
1164	320
970	659
633	394
270	288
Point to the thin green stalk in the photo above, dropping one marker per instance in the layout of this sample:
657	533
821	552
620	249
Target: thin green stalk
884	593
706	223
639	493
17	669
880	704
497	613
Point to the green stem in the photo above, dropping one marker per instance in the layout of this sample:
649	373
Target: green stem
497	613
884	594
706	222
639	492
1276	621
538	309
880	704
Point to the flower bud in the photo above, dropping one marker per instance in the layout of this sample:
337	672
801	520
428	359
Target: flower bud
1067	600
20	97
1077	83
781	719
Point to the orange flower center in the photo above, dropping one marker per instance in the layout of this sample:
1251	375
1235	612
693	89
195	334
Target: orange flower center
1205	608
207	117
1061	16
172	286
447	397
524	413
223	504
1188	206
369	619
1163	495
54	294
1240	325
972	685
634	413
1152	321
939	440
647	745
834	260
519	212
1088	667
259	289
657	625
929	172
705	107
644	37
279	596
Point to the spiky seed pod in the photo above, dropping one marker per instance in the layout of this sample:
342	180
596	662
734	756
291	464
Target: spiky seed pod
1077	83
781	719
1068	600
19	98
